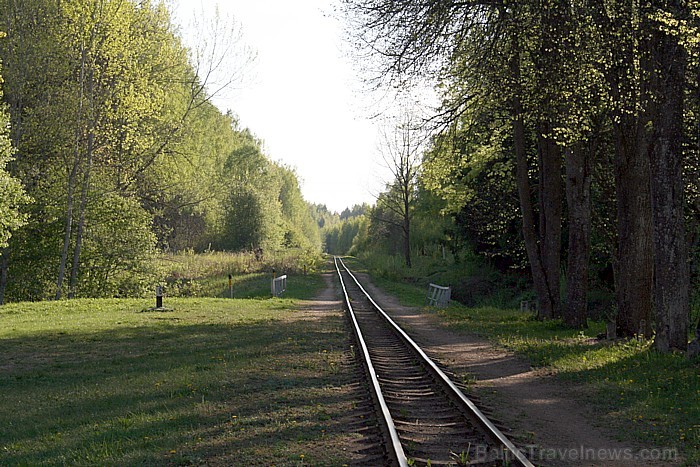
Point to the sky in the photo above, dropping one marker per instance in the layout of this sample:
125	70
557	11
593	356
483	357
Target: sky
302	96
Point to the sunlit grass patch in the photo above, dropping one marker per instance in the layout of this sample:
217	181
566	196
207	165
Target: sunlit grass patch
103	382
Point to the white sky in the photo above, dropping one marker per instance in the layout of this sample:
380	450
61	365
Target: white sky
302	96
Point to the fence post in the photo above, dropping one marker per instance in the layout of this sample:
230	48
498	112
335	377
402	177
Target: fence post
159	296
272	287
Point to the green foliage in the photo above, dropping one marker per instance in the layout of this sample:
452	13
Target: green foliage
341	231
119	250
340	237
471	168
302	231
122	151
264	207
12	195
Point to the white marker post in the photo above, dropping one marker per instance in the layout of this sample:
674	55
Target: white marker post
159	296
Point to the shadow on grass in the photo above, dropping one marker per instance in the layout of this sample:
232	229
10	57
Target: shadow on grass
648	396
145	394
652	395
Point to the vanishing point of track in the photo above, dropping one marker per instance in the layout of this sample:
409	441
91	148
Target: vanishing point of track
425	418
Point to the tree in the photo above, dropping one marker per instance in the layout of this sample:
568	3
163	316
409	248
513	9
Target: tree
484	42
646	80
88	86
104	101
671	273
12	195
400	150
579	80
470	167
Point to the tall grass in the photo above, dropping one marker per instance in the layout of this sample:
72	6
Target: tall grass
187	274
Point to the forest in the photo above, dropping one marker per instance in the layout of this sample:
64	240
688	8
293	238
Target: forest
565	151
112	152
565	147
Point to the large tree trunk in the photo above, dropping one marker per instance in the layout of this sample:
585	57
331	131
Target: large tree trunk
532	246
578	196
627	78
542	241
550	204
634	271
671	270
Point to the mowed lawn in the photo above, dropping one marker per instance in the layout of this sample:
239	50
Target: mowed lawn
236	382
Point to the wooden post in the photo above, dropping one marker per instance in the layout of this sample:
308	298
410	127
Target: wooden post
230	285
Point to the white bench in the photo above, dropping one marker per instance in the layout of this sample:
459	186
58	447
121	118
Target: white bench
438	296
528	306
279	285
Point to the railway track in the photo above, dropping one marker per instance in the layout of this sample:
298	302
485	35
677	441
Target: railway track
425	418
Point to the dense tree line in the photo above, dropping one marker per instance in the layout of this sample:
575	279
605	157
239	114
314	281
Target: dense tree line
13	195
113	136
567	137
340	231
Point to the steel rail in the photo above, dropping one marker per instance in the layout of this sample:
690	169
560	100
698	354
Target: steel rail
478	417
397	452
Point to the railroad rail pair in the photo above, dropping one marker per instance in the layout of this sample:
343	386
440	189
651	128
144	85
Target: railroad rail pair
425	418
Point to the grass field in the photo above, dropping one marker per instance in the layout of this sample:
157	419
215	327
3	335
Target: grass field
646	396
234	382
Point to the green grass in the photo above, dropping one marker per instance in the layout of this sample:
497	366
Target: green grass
102	382
257	285
473	280
646	396
408	292
206	274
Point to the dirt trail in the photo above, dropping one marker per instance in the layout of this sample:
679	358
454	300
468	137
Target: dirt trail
542	412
